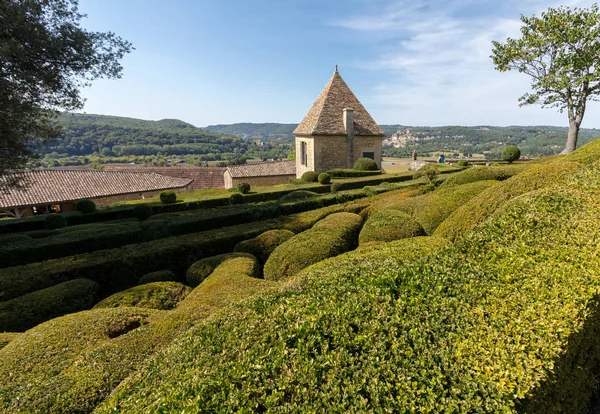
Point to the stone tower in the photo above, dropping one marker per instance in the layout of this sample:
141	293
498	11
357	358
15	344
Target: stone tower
336	131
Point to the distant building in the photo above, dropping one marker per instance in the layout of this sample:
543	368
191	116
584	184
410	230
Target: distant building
47	191
336	131
202	177
260	174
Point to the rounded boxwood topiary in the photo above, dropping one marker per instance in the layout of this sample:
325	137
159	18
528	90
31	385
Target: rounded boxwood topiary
85	206
243	188
297	195
142	212
263	245
155	295
511	154
310	177
335	187
203	268
168	197
365	164
55	221
324	178
236	198
389	225
463	163
159	276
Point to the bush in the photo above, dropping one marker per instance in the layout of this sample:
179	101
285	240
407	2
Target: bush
310	177
350	173
55	221
7	337
389	225
14	239
155	295
263	245
243	188
85	206
429	171
236	198
480	174
168	197
463	163
335	187
324	178
511	154
203	268
26	311
158	276
365	164
335	234
297	195
142	212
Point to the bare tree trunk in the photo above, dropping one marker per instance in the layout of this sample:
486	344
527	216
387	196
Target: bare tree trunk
571	137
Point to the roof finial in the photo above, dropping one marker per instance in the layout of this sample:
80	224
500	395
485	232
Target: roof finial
336	70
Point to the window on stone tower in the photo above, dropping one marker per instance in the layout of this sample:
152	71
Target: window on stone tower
369	155
303	154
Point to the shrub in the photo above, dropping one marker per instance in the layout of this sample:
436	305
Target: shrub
463	163
203	268
310	177
429	171
85	206
142	212
324	178
26	311
365	164
350	173
158	276
587	154
511	154
12	239
7	337
297	195
243	188
389	225
335	234
335	187
263	245
155	295
236	198
168	197
480	174
55	221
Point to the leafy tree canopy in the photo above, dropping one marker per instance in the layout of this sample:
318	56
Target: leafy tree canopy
560	51
46	57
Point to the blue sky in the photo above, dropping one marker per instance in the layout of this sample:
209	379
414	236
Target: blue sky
224	61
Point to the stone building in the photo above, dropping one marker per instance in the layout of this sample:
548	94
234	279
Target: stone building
336	131
202	177
260	174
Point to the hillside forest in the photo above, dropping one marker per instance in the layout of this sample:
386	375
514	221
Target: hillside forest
95	140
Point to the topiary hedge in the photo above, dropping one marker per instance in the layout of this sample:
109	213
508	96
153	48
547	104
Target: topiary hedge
365	164
389	225
324	178
26	311
7	337
511	154
55	221
203	268
348	173
158	276
142	212
85	206
243	188
297	195
236	198
335	234
154	295
481	174
310	177
168	197
263	245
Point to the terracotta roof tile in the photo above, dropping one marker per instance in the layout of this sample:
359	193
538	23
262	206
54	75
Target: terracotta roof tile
203	177
325	117
263	169
56	186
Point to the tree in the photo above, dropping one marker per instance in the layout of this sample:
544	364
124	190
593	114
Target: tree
511	154
45	59
560	50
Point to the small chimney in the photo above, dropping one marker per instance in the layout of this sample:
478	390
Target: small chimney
349	127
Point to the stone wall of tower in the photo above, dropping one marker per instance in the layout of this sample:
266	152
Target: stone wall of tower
364	144
310	155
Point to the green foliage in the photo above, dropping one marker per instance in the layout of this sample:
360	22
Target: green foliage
168	197
85	206
55	221
154	295
243	188
26	311
7	337
335	234
158	276
263	245
236	198
586	155
389	225
324	178
14	239
349	173
463	163
478	173
297	195
335	187
429	171
310	177
142	212
201	269
365	164
511	154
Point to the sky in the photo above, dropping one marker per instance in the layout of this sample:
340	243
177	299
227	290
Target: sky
418	63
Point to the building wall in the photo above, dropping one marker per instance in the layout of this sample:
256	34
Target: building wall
105	201
368	144
330	152
310	150
227	179
262	181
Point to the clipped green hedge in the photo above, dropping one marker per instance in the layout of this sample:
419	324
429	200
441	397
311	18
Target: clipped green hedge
154	295
349	173
263	245
467	217
158	276
473	174
26	311
389	225
203	268
298	195
7	337
77	360
365	164
335	234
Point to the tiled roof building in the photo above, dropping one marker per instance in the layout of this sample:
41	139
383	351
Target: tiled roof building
260	174
202	177
336	131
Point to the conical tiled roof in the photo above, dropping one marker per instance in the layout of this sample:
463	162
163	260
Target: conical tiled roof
326	115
